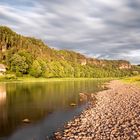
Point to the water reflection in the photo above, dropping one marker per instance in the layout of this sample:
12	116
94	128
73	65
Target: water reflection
36	101
3	111
2	94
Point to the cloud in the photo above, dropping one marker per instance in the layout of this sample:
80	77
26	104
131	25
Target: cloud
99	28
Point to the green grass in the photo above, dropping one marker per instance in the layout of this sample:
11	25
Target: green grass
33	79
134	79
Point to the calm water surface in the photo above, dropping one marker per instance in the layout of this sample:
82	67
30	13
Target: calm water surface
46	105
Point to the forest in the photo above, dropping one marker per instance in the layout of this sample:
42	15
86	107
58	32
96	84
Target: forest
29	56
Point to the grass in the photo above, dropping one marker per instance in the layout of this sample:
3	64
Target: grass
134	79
33	79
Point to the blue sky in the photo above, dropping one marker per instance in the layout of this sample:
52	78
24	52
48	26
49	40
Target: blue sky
106	29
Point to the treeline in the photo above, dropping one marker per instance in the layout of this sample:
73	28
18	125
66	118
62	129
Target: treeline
25	55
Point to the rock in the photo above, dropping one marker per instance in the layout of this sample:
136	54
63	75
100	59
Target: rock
26	121
72	104
83	97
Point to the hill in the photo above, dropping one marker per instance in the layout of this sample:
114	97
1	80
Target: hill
27	55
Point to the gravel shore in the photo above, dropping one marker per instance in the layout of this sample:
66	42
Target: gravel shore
115	116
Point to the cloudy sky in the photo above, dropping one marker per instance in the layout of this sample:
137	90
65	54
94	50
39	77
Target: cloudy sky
107	29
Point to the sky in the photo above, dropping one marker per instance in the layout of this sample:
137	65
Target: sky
106	29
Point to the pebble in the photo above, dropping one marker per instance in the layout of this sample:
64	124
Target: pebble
115	116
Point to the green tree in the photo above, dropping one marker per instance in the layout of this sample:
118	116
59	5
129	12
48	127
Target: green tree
18	64
28	56
43	66
36	70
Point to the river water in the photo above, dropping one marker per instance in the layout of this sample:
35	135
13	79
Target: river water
45	104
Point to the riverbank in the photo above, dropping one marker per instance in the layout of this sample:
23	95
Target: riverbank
115	116
134	79
33	79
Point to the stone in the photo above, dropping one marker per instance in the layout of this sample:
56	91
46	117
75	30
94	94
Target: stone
26	121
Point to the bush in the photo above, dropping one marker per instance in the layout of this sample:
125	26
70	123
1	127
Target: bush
10	77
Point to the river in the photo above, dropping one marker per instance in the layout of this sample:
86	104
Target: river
45	104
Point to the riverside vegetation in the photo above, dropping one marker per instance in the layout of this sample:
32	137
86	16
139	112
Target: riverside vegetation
29	56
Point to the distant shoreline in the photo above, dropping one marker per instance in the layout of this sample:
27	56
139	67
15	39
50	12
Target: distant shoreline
32	79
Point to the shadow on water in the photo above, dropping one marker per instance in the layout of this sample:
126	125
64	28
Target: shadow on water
46	105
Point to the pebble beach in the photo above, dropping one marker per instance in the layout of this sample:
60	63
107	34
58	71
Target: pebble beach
114	115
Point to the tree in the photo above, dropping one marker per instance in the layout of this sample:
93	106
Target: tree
18	64
43	65
77	71
28	56
36	70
